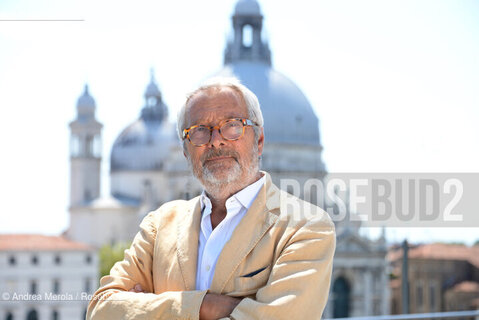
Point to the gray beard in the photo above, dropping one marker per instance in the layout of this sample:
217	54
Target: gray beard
210	178
219	188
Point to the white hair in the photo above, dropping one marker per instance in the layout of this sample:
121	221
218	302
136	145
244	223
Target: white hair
252	103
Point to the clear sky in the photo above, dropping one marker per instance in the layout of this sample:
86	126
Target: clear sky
394	84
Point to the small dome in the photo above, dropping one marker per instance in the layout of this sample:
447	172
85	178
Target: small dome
152	90
288	116
247	7
86	101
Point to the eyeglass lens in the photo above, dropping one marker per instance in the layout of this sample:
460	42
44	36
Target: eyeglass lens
230	130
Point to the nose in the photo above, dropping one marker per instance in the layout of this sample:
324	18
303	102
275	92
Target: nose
216	138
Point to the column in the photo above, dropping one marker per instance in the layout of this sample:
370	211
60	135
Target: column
386	293
368	294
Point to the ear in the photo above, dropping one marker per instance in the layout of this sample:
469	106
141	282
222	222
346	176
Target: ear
260	141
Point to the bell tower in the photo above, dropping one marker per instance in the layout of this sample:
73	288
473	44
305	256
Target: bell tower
85	153
247	44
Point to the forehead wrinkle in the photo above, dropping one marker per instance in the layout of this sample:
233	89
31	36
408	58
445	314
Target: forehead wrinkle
214	114
210	112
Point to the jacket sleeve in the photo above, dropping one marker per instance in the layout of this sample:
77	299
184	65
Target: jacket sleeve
113	301
298	286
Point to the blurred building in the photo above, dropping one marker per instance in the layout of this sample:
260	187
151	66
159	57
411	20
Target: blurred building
45	277
359	285
147	167
442	277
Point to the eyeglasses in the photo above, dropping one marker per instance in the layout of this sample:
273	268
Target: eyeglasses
230	129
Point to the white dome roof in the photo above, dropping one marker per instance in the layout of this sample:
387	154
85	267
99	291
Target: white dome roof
247	7
143	145
288	116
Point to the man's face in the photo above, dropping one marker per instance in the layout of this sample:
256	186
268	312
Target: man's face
222	163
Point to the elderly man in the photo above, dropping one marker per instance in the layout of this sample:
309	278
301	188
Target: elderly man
235	252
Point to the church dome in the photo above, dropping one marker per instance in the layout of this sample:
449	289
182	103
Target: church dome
145	144
288	116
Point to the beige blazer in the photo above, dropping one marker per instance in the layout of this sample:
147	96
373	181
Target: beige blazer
279	259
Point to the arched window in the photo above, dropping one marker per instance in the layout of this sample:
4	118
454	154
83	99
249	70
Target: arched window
341	295
9	316
32	315
151	102
12	261
87	287
247	36
87	195
33	287
88	145
55	315
96	146
56	286
75	145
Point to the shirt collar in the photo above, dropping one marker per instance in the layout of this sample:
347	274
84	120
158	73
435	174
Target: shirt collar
245	196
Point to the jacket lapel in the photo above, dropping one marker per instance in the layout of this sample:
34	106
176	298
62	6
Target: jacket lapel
249	231
187	242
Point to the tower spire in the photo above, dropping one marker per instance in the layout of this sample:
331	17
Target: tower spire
152	75
154	109
247	44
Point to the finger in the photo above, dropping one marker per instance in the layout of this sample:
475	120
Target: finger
138	288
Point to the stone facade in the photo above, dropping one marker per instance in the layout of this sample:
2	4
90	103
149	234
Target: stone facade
442	277
45	277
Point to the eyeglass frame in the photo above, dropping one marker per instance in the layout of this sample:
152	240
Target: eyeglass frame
246	123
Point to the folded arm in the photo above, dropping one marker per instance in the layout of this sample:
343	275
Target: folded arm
298	286
114	301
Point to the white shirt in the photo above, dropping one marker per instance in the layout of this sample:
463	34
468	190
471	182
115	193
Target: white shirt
211	242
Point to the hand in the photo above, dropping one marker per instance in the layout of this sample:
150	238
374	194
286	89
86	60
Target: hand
216	306
137	288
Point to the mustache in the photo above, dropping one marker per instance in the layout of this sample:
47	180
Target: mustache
213	153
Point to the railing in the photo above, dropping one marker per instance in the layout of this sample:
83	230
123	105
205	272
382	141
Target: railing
432	315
